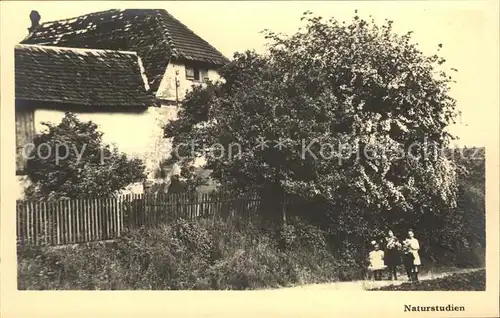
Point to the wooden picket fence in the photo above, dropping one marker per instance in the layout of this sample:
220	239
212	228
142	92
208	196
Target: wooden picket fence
95	219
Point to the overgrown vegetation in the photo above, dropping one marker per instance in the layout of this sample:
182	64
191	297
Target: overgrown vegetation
232	255
361	113
184	255
375	109
475	281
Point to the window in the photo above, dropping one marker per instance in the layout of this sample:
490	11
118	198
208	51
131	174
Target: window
204	75
193	73
196	74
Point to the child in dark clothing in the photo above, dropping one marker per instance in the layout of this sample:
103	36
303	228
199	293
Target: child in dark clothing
408	259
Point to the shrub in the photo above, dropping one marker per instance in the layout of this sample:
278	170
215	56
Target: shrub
183	255
77	163
83	267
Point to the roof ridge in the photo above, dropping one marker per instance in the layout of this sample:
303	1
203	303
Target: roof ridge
189	30
64	48
82	15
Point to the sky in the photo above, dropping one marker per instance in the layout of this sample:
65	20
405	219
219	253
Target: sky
467	29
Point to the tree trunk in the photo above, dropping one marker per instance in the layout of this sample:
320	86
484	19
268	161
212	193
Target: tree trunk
273	206
283	213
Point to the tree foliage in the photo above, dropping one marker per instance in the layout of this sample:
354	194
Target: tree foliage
71	161
469	217
357	86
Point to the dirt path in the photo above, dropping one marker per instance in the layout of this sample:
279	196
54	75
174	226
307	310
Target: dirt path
366	284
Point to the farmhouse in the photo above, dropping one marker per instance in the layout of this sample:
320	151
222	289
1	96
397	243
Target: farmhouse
126	70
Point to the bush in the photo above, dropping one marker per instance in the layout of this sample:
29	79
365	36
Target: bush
184	255
83	267
77	163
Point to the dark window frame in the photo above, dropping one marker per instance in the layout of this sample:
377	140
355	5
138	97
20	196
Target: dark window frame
195	71
196	74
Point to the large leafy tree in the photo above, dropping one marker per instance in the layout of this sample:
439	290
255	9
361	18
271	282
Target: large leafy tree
70	160
360	112
469	217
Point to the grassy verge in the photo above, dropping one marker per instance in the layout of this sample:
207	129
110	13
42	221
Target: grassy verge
474	281
184	255
202	255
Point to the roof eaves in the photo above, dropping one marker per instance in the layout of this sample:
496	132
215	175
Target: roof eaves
145	102
72	49
204	60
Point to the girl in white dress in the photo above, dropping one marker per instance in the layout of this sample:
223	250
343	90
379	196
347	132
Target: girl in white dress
377	264
414	246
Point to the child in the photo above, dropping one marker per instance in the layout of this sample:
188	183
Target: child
414	247
407	259
376	258
392	255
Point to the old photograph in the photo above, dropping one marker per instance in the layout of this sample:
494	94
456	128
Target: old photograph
318	147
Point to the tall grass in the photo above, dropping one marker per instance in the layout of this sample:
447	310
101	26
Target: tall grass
188	255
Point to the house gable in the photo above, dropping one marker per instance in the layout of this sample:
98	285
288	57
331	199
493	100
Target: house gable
176	81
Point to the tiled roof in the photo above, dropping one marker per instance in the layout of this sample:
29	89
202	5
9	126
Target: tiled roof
153	33
80	77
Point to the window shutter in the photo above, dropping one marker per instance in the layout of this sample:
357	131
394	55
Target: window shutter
196	74
25	133
205	75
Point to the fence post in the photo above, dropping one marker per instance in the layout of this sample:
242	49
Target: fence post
69	204
111	218
119	211
128	199
20	221
107	217
97	207
132	211
77	221
85	219
93	219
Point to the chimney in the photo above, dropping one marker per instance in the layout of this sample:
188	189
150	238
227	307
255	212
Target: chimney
35	20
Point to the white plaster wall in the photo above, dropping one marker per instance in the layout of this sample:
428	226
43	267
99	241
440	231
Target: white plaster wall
167	86
139	135
22	182
131	132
